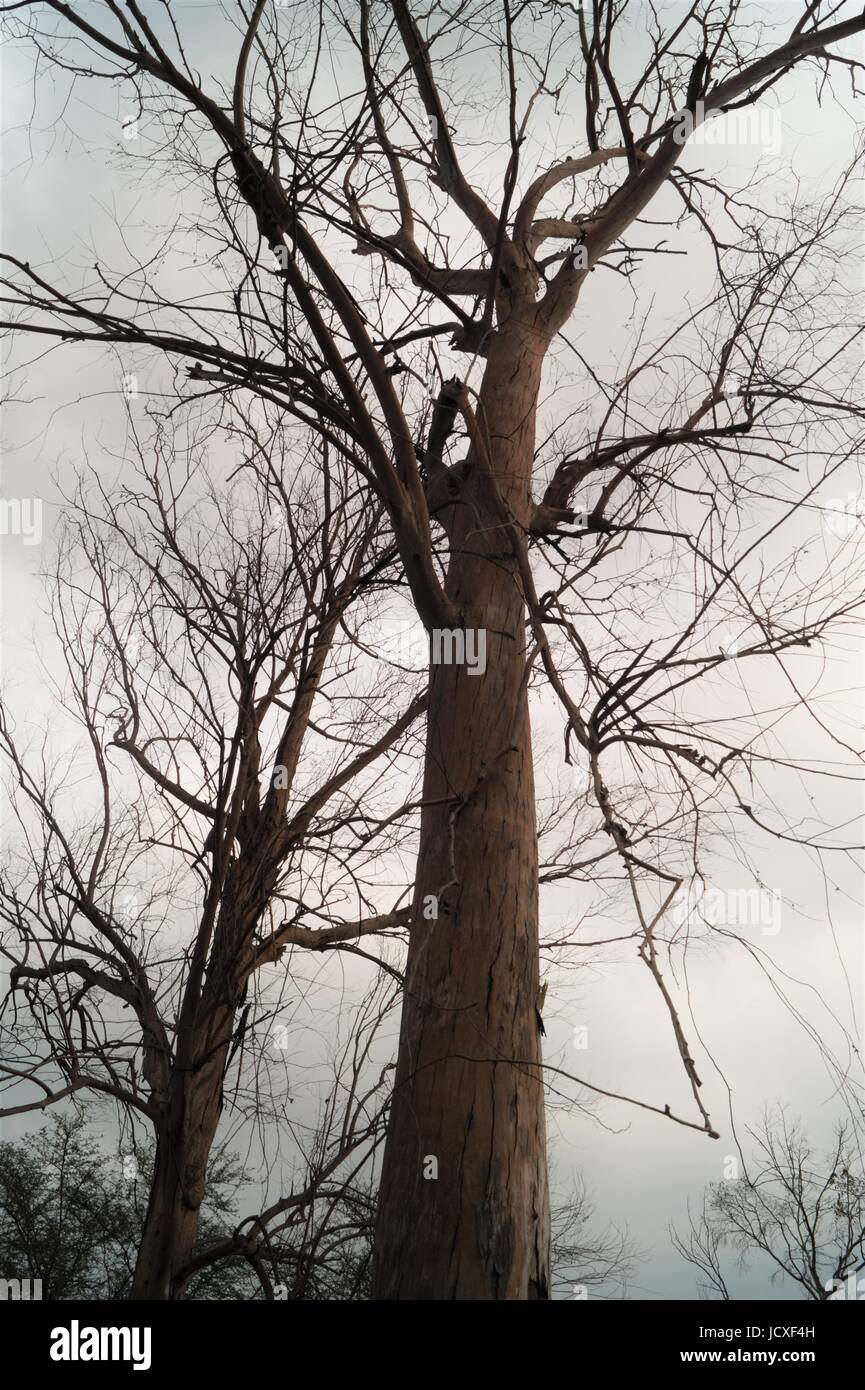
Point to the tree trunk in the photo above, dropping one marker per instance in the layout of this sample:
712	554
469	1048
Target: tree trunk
179	1180
464	1204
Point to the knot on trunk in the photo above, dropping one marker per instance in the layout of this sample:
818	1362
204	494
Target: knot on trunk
446	487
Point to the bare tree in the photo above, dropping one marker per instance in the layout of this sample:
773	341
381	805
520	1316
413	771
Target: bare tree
802	1209
702	1247
586	1259
516	545
155	931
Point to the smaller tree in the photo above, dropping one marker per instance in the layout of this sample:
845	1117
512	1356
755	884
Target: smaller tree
802	1208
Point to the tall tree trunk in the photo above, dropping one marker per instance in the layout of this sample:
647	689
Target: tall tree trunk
178	1186
464	1204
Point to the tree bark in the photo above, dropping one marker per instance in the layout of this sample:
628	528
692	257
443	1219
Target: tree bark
464	1205
184	1141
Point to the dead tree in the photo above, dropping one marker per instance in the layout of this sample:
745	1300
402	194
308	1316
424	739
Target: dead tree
798	1207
